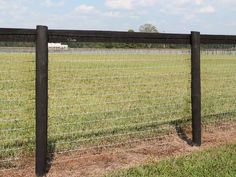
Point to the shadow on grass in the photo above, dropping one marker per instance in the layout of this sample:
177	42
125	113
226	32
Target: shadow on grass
181	132
182	135
206	120
51	154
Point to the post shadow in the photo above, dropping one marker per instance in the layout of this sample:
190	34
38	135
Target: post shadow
178	125
50	154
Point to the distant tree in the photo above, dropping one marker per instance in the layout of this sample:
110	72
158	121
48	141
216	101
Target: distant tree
148	28
130	30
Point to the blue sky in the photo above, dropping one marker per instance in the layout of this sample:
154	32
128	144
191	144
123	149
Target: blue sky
174	16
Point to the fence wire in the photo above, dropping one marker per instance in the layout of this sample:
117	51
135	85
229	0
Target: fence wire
105	98
218	68
17	120
101	98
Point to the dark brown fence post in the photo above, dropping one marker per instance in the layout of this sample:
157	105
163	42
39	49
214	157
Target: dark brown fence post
196	88
41	99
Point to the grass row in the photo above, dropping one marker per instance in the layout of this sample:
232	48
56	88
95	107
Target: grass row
216	162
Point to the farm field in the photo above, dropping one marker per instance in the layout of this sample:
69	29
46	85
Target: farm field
103	100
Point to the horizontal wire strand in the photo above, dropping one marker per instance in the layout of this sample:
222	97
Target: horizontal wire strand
108	146
17	129
115	77
107	103
109	136
113	68
22	81
121	60
109	111
80	97
17	110
112	128
113	85
115	118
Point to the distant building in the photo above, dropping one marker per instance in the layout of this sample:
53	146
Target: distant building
57	46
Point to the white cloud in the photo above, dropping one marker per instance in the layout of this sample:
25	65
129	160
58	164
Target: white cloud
120	4
129	4
180	3
51	3
207	9
84	8
199	2
113	14
144	3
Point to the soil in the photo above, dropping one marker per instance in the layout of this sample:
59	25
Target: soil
100	162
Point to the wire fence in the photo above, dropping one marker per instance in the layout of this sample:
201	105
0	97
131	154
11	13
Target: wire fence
101	99
218	85
17	80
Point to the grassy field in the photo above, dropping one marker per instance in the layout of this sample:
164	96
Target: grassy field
103	99
215	162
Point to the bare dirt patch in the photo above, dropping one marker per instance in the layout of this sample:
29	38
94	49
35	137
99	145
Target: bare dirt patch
98	163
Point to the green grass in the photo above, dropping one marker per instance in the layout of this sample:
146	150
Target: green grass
216	162
102	99
116	95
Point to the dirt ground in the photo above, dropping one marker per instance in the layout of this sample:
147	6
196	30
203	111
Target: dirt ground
98	163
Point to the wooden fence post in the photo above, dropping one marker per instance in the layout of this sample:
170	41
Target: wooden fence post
196	88
41	99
